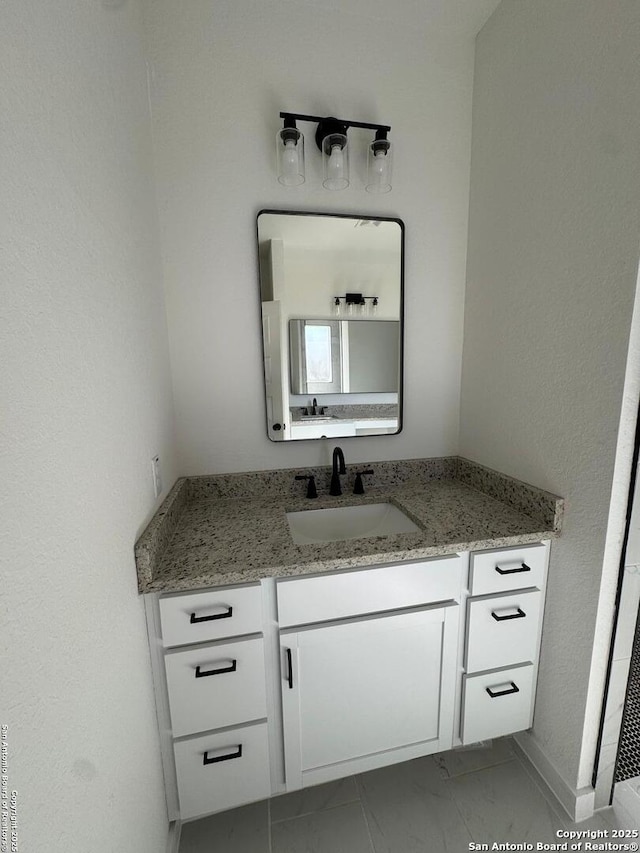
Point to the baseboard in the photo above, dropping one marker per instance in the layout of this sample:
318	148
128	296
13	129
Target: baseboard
578	803
173	840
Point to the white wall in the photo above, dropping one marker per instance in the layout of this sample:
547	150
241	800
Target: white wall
327	274
554	240
221	73
86	402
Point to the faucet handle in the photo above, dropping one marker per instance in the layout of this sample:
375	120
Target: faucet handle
358	487
312	492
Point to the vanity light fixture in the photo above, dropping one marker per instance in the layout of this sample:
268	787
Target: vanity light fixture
379	164
355	302
290	152
331	139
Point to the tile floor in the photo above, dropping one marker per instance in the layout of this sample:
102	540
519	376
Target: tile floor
436	804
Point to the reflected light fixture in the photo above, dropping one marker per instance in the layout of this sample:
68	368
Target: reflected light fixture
331	139
354	303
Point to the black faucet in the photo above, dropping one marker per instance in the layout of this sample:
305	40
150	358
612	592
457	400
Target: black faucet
338	456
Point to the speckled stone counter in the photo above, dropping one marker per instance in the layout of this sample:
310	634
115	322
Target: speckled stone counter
232	528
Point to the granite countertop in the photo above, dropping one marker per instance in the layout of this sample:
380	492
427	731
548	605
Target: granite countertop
229	529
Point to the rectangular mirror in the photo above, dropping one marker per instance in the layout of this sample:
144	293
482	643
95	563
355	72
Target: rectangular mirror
331	291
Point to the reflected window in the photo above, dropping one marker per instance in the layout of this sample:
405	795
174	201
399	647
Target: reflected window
344	356
317	350
314	356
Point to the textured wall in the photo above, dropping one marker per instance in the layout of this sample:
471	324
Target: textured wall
552	259
86	402
221	73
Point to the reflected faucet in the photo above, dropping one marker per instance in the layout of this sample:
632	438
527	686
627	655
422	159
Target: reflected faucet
338	457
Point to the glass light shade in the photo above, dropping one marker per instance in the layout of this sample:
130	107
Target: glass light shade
290	154
379	167
335	162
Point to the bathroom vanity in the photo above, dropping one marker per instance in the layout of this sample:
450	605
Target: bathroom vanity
280	665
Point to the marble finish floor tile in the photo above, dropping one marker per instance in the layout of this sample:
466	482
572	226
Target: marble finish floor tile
629	785
342	829
626	802
242	830
316	799
607	819
503	803
436	804
469	759
410	809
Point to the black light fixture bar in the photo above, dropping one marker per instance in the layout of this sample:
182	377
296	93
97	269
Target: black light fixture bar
354	299
347	123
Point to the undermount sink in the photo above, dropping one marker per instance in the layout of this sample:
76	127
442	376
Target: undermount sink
316	418
348	522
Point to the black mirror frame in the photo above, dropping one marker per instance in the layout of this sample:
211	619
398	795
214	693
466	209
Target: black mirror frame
338	215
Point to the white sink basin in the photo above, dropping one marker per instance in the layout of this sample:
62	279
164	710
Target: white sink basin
348	522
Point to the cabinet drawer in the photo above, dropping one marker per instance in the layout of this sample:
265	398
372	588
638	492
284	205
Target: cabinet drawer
503	569
502	630
201	616
335	596
497	703
222	770
215	686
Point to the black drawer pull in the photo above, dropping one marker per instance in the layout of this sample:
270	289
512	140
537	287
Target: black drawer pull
513	689
518	615
289	669
232	668
523	568
236	754
226	615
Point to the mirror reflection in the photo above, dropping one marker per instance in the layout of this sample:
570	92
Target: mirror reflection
331	294
343	356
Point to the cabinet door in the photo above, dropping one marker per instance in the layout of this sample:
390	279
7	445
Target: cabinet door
368	692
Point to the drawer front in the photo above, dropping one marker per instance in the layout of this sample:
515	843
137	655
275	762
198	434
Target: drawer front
236	770
503	630
201	616
507	568
215	686
335	596
497	703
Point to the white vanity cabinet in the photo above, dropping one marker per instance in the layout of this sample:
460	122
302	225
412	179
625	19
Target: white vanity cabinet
502	642
368	667
274	686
